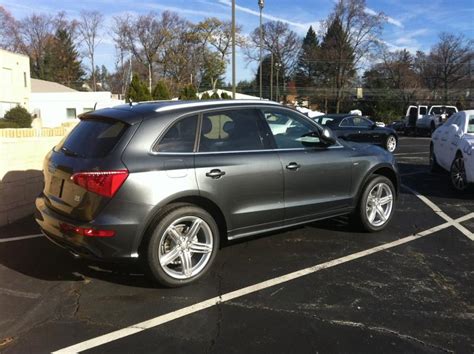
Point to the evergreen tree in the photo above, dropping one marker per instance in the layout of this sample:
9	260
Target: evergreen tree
225	96
338	67
137	91
215	96
19	116
266	71
161	92
205	96
307	65
66	63
188	92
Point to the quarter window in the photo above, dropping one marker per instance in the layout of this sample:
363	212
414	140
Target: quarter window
296	133
180	137
231	130
71	113
347	122
361	122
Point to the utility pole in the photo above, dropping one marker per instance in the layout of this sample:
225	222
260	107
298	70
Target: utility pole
261	4
233	49
278	67
149	77
271	75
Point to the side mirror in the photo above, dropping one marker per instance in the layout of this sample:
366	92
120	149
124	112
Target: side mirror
327	137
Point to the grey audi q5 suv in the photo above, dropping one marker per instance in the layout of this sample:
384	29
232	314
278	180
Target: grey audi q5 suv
167	181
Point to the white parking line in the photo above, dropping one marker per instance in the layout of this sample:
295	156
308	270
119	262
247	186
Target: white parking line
19	238
171	316
443	215
411	153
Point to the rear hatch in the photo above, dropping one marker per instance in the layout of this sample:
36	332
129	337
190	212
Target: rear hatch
93	147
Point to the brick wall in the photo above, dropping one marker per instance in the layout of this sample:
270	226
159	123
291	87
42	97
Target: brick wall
21	179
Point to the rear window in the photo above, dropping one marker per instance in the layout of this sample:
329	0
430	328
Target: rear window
92	138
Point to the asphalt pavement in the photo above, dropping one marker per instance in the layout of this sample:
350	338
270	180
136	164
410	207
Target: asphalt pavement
318	288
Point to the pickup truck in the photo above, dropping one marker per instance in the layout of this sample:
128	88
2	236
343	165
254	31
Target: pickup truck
421	120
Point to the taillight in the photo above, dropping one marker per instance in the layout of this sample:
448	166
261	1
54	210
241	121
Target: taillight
85	231
105	183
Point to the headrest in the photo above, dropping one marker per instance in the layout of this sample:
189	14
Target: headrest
206	125
228	127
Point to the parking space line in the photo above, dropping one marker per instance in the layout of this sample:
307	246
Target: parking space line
412	153
10	239
442	214
171	316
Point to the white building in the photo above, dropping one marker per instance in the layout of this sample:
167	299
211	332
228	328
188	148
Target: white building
14	81
55	104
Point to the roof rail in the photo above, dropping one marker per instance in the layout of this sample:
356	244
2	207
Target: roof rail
207	102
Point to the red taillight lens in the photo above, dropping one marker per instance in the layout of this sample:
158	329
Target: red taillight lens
105	183
85	231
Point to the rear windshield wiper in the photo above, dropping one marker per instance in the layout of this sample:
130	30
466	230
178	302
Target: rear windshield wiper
69	152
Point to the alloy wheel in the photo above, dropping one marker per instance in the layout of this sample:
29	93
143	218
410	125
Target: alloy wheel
379	204
185	247
391	143
458	174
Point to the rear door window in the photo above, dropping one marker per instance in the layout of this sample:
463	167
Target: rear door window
231	130
180	137
92	138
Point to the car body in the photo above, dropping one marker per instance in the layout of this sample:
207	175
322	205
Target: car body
452	149
177	176
359	129
421	120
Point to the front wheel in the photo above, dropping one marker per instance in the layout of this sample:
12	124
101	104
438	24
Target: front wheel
458	174
377	203
183	246
391	143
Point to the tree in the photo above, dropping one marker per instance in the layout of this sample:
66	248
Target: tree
213	70
352	34
89	27
307	65
9	35
20	116
225	96
188	92
161	92
450	61
279	40
137	91
146	36
66	65
205	96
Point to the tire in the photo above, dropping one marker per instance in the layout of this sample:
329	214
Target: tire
432	129
458	174
434	166
391	143
370	214
182	246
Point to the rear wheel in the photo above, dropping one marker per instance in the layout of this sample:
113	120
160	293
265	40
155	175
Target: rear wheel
377	204
434	166
391	143
458	173
182	246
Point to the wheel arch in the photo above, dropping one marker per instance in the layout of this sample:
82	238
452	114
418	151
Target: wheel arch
380	170
197	200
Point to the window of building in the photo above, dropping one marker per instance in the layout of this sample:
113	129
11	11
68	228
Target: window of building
71	113
24	79
85	110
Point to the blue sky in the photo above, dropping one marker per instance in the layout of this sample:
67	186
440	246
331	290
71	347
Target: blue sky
411	24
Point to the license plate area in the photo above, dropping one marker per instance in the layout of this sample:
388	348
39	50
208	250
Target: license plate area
56	186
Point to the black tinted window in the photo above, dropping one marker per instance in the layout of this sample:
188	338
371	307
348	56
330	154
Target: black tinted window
347	122
296	133
231	130
180	137
92	138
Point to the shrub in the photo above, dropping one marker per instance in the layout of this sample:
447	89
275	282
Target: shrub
7	124
161	92
205	96
188	93
215	96
225	96
20	116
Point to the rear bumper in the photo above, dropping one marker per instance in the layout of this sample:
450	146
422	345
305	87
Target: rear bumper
116	248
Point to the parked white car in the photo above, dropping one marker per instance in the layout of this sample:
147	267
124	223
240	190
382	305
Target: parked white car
452	149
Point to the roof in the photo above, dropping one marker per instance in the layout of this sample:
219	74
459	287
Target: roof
164	106
43	86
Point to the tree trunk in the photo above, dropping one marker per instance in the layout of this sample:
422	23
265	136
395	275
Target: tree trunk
94	84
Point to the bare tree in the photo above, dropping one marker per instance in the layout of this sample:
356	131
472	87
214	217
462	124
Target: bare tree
145	36
89	28
449	62
279	40
9	35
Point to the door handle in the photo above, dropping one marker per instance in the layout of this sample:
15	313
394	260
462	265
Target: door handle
293	166
215	174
